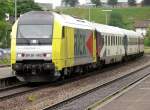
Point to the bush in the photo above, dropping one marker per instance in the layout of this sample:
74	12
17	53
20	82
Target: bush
147	42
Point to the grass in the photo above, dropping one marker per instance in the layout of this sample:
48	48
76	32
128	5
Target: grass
130	15
147	41
5	61
147	49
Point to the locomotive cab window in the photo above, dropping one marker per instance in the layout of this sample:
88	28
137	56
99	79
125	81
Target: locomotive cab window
35	31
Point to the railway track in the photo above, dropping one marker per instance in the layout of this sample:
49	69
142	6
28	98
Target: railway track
22	88
2	66
14	90
84	100
25	89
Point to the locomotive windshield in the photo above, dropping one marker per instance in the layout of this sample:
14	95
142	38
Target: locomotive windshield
35	31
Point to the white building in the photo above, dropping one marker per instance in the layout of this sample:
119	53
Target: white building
142	26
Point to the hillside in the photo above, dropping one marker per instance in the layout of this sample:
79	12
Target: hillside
130	15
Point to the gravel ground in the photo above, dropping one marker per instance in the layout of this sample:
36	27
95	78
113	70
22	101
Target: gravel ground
87	100
49	96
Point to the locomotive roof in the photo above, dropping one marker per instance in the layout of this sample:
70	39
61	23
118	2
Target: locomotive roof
44	17
73	22
81	23
36	17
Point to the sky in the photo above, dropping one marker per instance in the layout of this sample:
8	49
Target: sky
58	2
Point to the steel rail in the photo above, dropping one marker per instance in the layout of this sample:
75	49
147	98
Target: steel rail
61	104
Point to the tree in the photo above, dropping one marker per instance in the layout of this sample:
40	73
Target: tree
71	3
4	34
96	2
6	6
116	20
112	2
148	33
26	6
146	2
132	2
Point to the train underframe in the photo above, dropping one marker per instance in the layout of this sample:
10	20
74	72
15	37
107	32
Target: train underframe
35	71
41	71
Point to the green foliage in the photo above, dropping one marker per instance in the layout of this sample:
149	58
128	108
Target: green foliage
31	98
130	15
147	49
5	61
132	2
112	2
147	41
116	19
4	34
147	38
96	2
71	3
148	33
6	6
26	6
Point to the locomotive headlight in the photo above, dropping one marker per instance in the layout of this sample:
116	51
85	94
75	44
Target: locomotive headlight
48	55
19	55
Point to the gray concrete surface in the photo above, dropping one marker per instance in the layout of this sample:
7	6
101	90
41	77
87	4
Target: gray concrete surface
137	98
5	72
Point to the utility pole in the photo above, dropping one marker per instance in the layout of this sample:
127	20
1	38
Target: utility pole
90	4
106	15
15	10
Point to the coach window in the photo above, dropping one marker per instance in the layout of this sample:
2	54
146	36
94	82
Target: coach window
108	40
105	40
112	40
116	40
119	40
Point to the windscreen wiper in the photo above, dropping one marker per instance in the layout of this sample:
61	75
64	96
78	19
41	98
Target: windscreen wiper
22	36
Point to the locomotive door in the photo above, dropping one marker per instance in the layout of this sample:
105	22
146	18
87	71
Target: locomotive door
125	43
69	45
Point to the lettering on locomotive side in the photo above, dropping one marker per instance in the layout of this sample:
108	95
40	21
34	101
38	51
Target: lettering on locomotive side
80	39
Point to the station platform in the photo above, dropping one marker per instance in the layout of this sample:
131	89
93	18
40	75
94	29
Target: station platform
134	98
5	72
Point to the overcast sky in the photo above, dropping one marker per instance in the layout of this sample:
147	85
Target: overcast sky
58	2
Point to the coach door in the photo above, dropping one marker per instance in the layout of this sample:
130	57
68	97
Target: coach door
139	44
125	43
99	43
